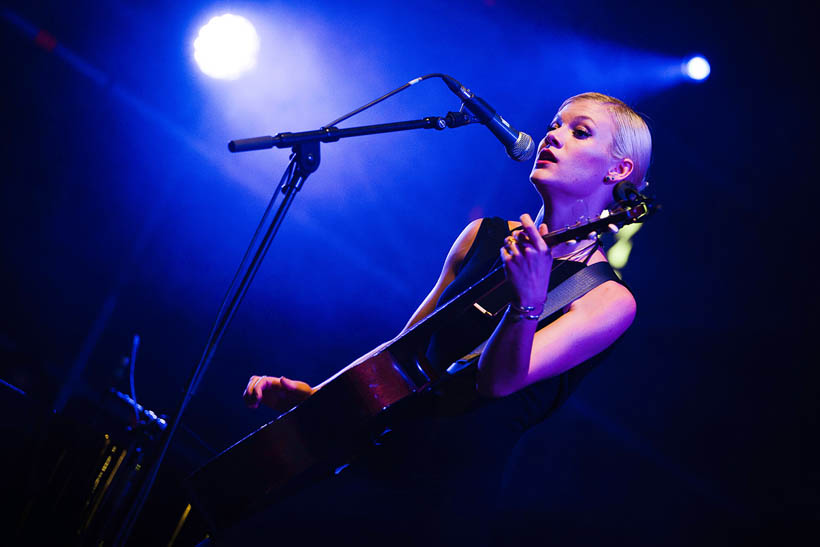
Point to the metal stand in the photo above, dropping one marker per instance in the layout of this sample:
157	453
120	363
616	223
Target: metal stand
304	161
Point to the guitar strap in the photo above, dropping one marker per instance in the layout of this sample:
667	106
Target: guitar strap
574	287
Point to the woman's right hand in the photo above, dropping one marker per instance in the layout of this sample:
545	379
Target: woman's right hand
279	393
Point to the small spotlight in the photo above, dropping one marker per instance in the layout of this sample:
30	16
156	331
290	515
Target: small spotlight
697	68
226	47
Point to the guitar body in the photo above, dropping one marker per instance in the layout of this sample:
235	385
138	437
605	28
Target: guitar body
305	443
325	430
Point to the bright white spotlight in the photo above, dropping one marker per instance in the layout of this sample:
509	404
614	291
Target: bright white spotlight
226	47
697	68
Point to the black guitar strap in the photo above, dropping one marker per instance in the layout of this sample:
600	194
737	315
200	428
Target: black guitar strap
574	287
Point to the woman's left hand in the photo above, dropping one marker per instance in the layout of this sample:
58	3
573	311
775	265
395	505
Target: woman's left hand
527	263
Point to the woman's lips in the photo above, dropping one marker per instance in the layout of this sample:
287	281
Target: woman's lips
546	156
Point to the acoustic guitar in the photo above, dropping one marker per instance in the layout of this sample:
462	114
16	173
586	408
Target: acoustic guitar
324	431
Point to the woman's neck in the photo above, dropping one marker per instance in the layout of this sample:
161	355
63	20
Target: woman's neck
560	215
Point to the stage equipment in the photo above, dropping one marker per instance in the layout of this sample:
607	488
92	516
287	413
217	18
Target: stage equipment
305	157
82	472
226	47
697	68
520	146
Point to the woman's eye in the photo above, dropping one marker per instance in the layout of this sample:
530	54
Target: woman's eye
581	133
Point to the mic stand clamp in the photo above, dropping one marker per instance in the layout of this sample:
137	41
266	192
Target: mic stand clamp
462	117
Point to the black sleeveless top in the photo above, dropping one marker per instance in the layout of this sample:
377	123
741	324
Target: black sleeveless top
535	402
455	434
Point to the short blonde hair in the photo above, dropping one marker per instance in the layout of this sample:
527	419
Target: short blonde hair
632	138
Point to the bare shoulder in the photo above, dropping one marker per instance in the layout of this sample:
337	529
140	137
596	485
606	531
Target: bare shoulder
513	225
610	301
470	231
463	242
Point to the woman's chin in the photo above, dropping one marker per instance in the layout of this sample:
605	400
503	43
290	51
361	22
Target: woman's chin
540	177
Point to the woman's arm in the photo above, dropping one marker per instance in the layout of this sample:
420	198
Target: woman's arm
452	263
516	355
454	259
272	389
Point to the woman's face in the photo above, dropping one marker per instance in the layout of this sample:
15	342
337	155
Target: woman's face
575	155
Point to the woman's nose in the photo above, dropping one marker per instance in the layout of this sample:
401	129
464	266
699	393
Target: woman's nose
552	139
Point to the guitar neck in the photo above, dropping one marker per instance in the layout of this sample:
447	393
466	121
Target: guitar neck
424	329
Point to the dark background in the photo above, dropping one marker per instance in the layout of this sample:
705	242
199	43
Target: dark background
123	212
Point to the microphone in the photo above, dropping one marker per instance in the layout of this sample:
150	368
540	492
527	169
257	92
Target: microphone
519	145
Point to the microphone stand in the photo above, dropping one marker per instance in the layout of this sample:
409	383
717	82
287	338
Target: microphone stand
304	161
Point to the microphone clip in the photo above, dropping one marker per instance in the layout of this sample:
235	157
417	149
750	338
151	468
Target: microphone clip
460	118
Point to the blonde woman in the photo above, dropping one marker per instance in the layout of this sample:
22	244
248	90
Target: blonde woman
440	470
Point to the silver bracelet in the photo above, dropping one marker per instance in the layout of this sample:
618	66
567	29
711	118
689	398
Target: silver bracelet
523	312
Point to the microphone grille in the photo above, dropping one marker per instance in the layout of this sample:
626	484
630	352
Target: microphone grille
523	147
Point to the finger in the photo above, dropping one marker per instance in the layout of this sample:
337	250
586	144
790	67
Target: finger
511	246
531	236
532	233
249	387
249	395
515	249
526	221
259	388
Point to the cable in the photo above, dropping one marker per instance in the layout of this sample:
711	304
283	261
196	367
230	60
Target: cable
383	97
131	364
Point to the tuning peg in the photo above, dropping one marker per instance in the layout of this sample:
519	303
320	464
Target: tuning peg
592	235
614	229
572	241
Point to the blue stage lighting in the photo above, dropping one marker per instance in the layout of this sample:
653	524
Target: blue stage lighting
226	47
697	68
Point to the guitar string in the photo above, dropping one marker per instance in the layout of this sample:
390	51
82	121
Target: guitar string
570	257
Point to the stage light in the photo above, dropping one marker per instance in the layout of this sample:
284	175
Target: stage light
226	47
697	68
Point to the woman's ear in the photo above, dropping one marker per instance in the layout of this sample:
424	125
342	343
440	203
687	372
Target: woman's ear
620	170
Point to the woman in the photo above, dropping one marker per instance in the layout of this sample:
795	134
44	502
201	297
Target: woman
448	459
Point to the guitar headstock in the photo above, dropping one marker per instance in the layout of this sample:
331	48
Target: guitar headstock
631	207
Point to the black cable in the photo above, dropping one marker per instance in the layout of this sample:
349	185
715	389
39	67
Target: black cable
383	97
131	364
